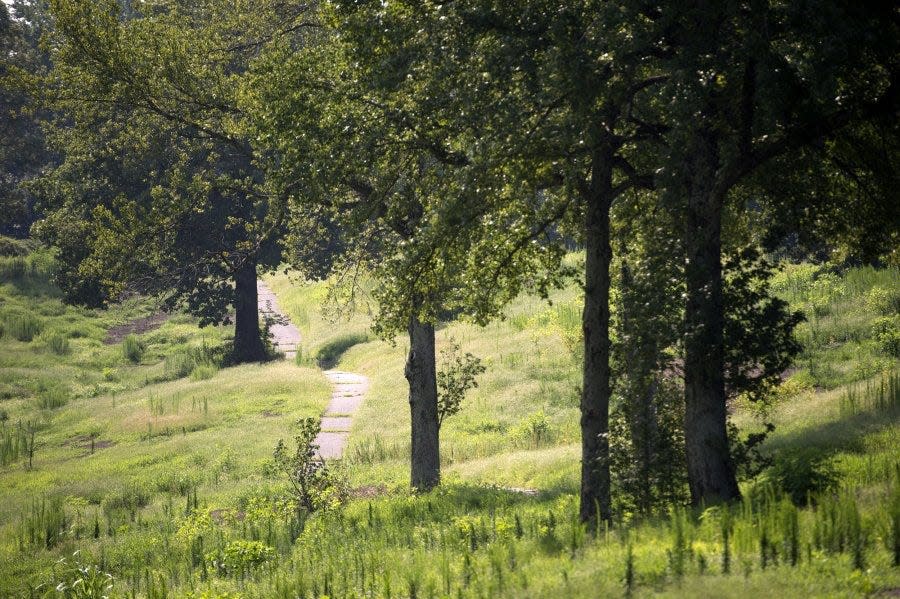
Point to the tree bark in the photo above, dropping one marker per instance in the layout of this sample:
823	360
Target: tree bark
595	480
711	473
248	345
425	462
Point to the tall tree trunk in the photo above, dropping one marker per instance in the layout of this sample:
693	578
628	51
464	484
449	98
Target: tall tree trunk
423	406
710	469
248	345
595	493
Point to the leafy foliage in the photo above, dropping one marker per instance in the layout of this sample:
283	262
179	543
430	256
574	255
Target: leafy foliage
457	375
315	485
759	328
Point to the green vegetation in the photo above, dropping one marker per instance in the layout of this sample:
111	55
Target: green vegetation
616	285
137	469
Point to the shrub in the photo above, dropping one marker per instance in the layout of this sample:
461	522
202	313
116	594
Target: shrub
884	301
240	557
886	332
314	484
534	430
132	349
803	473
24	327
457	375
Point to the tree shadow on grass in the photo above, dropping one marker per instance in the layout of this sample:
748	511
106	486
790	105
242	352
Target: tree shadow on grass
330	353
845	434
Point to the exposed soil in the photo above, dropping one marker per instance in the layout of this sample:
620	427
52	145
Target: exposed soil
137	326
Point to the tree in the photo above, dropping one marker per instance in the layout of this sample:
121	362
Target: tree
749	83
150	96
22	150
352	137
547	105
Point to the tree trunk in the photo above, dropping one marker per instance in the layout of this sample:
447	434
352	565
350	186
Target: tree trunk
423	406
595	493
248	345
710	469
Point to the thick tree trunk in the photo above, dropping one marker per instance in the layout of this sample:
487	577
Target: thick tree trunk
595	482
710	469
248	345
423	406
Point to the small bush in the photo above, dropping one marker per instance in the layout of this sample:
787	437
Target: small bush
803	473
886	331
132	349
240	557
533	431
457	375
315	485
884	301
23	327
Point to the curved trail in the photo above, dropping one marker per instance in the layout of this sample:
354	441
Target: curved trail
349	388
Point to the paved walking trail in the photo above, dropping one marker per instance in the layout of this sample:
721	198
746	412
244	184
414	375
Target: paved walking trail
349	388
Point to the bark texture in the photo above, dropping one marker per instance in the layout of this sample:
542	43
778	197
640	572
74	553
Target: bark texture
710	469
248	345
595	480
423	406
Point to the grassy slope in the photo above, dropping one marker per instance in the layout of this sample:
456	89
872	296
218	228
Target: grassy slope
154	441
519	428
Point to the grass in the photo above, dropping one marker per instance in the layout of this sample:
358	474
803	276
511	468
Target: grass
158	472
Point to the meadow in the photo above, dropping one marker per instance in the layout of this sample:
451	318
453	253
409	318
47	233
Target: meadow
143	467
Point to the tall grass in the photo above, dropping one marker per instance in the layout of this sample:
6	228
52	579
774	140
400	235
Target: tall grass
57	342
132	349
23	327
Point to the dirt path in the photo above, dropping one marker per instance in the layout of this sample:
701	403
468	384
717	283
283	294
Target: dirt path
349	388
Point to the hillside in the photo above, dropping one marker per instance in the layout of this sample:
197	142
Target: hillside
152	461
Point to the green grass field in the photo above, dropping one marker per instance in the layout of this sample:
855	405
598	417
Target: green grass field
157	470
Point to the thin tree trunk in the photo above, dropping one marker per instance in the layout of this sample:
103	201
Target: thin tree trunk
248	345
423	406
595	481
710	469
